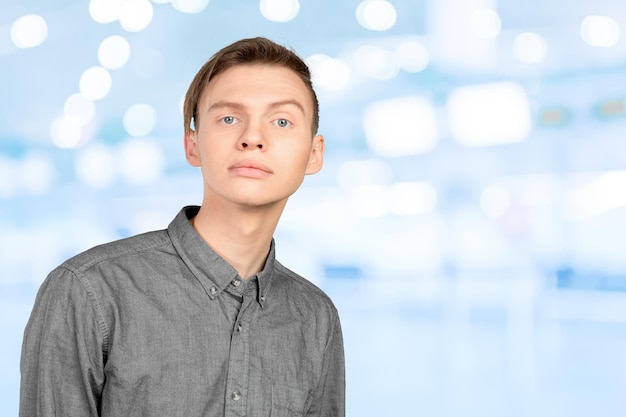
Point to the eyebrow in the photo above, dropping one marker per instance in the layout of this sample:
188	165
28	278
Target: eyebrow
271	106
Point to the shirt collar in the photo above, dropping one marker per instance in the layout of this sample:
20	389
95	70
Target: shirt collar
211	270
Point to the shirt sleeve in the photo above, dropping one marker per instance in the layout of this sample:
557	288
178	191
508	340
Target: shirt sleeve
62	363
329	396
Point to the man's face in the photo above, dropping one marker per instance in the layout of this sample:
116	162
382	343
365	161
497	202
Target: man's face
253	137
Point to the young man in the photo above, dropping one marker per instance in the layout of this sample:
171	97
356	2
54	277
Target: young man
200	319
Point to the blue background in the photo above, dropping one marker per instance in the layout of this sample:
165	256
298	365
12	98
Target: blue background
497	290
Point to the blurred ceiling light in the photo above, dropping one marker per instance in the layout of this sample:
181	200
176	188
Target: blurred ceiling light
495	201
66	133
95	83
485	23
530	48
600	31
136	15
412	56
113	52
279	10
376	62
141	161
489	114
140	119
29	31
105	11
95	166
378	15
400	126
79	108
329	73
412	198
612	108
597	197
190	6
554	116
352	174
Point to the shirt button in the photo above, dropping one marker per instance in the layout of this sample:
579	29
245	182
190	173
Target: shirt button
213	291
262	298
236	282
239	328
235	395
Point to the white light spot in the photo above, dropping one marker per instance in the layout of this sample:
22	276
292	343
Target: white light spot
8	177
379	15
161	1
412	56
29	31
114	52
328	73
412	198
530	48
600	31
105	11
279	10
495	201
95	83
136	15
140	119
489	114
190	6
401	126
37	174
79	109
376	62
141	161
95	166
485	24
66	133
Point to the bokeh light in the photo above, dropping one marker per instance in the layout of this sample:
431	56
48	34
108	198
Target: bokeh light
136	15
600	31
279	10
79	109
530	48
95	83
190	6
140	119
327	72
37	174
29	31
66	133
375	62
377	15
485	23
412	198
390	126
113	52
412	56
105	11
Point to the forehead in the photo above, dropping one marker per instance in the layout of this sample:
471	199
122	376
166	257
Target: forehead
255	83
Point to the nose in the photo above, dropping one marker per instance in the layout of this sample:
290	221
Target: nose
252	137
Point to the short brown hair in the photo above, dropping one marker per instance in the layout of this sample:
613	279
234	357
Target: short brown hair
246	51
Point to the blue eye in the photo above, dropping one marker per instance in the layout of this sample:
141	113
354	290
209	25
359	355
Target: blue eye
282	123
228	120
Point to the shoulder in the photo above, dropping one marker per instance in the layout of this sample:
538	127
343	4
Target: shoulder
118	251
303	290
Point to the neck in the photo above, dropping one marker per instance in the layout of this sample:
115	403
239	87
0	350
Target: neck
242	236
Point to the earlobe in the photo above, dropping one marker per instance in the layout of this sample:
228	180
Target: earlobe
191	148
316	159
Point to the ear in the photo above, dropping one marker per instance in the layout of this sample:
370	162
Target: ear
316	158
192	152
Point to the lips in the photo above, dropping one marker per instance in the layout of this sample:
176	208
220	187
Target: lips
250	168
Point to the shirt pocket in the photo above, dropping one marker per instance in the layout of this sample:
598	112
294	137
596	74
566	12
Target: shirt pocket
288	401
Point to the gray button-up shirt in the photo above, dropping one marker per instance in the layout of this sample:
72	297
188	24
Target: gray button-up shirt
160	325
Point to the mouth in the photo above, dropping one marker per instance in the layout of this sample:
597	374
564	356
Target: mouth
250	168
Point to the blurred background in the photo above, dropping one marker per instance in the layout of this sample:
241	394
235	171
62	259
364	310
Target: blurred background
469	222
